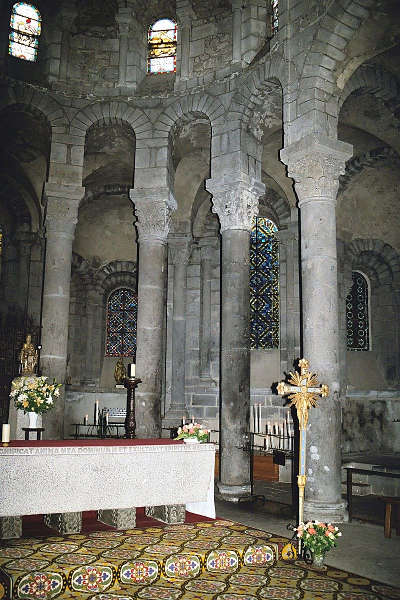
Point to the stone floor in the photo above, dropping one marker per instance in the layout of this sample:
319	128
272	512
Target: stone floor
362	549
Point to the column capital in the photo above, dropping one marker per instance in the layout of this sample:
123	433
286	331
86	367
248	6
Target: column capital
153	208
315	163
180	247
235	201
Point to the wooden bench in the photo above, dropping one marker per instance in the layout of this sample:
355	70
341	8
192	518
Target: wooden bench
389	502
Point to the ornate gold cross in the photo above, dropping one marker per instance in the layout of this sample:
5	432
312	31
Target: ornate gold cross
304	393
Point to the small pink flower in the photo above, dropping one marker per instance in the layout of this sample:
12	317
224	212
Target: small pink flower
311	531
331	528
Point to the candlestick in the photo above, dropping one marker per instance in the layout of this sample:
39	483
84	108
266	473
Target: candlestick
131	370
5	433
86	419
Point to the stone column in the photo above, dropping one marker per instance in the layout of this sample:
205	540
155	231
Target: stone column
179	248
315	163
25	240
207	248
94	313
123	19
61	219
9	276
236	204
236	31
153	208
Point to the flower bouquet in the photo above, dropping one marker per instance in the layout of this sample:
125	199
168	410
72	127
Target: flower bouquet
318	537
193	431
34	394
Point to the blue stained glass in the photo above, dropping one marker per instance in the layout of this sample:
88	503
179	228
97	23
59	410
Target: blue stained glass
264	285
121	323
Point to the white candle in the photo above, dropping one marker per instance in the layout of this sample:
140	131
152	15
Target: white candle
131	370
259	418
107	418
86	419
183	421
5	433
254	418
96	412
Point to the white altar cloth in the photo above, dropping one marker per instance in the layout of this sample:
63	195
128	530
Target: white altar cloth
38	480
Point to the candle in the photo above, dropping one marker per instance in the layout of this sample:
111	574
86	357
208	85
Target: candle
259	418
254	418
5	433
107	418
131	370
86	419
183	420
96	412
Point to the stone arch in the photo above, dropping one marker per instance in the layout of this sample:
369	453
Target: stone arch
111	112
377	259
249	96
275	207
372	158
37	103
109	189
376	80
118	273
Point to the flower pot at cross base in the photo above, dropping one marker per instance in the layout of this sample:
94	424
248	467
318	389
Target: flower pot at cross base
33	420
318	560
191	440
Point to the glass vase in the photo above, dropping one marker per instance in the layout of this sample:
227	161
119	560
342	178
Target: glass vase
318	560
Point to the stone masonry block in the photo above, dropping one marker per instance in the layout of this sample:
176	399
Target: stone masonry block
120	518
10	527
64	523
171	514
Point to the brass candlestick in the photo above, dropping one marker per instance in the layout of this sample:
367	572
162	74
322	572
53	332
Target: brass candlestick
130	421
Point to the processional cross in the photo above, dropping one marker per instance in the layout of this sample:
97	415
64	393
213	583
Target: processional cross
303	393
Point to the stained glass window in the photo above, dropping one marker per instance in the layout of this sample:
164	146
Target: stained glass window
264	285
25	29
162	37
121	323
357	319
274	17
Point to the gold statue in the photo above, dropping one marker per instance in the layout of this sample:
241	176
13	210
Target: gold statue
28	357
119	372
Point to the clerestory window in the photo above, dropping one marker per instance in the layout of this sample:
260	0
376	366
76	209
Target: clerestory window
162	36
264	285
25	29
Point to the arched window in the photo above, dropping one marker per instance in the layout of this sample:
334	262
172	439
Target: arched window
264	285
357	314
121	323
274	16
162	47
25	29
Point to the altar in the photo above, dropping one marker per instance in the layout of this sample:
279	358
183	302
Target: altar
71	476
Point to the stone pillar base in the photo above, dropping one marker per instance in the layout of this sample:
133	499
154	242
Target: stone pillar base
120	518
233	493
64	523
171	514
10	527
325	512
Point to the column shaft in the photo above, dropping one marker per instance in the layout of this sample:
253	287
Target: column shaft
205	312
315	163
150	336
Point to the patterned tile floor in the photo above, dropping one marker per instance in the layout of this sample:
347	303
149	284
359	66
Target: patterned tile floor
218	560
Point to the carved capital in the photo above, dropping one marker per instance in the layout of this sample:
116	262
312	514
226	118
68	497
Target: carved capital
179	248
61	215
315	163
235	202
153	208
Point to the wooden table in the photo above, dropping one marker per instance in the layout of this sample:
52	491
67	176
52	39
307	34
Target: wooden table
350	471
29	429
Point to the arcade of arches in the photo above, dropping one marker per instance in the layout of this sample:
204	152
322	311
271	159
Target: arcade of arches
117	177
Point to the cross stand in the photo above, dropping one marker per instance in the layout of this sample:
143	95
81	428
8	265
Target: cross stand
130	422
303	393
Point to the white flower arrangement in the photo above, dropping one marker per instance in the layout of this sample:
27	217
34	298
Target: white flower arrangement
34	394
193	430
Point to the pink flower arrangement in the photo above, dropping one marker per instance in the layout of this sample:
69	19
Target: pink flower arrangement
193	430
318	537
